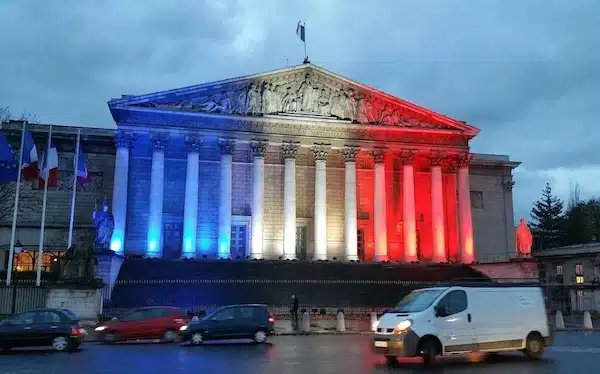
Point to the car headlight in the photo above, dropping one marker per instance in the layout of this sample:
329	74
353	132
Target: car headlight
100	328
402	327
374	326
183	328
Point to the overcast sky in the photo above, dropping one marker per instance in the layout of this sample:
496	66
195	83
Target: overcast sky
526	72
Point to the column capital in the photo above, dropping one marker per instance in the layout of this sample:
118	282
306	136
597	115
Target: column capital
227	146
193	143
437	158
509	184
378	154
159	140
259	147
289	149
464	160
350	153
407	156
124	139
321	151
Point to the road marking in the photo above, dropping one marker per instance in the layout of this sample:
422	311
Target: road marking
575	349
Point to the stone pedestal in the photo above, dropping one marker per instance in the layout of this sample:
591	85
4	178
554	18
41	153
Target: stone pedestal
108	267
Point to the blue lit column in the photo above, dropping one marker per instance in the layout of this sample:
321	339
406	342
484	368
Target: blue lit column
289	151
259	148
121	179
227	147
190	210
157	179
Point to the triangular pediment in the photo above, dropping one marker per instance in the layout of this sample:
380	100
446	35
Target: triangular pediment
301	91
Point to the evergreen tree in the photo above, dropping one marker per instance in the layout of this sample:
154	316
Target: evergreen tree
547	220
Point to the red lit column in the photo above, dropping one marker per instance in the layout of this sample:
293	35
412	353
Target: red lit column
408	206
464	211
380	219
437	208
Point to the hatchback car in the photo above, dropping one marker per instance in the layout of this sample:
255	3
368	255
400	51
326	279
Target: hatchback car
59	328
250	321
144	323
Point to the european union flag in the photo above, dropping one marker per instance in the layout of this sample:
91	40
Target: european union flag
9	167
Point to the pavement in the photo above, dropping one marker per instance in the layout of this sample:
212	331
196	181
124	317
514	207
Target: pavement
573	352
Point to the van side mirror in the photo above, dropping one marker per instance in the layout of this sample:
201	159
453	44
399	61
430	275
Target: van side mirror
440	311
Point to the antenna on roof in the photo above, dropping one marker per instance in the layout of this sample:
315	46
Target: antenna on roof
287	62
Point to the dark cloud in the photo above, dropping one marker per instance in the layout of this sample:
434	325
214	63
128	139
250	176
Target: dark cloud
525	72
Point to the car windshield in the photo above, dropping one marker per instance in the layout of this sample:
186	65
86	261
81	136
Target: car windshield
417	301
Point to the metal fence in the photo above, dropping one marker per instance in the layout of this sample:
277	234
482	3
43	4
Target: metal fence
573	299
18	299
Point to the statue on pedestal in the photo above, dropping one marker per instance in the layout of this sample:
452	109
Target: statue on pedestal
524	239
105	224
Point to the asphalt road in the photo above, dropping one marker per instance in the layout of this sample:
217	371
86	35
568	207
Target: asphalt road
346	354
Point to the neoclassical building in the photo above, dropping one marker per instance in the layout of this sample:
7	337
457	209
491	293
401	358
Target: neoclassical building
301	163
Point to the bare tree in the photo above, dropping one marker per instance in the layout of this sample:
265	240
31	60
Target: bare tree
574	195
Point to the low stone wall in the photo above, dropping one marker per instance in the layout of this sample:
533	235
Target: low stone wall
85	303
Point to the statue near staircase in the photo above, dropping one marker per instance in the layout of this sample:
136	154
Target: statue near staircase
524	239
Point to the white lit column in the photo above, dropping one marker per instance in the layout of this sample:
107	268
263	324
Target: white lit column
121	180
157	179
464	211
258	197
289	200
379	201
437	208
320	151
350	223
227	147
408	207
190	209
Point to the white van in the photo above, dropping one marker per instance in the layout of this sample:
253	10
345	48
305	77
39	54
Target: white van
464	318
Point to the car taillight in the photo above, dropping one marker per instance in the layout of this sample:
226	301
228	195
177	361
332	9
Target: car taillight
178	321
76	330
271	318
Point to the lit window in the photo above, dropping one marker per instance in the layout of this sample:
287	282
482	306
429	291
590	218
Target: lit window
579	269
579	279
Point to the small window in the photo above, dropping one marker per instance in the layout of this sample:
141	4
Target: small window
47	317
477	199
579	269
247	312
224	314
23	319
157	313
136	315
559	270
579	279
454	302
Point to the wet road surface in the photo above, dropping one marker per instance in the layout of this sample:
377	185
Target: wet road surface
575	352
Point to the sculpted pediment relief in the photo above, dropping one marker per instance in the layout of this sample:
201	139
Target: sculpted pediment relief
306	91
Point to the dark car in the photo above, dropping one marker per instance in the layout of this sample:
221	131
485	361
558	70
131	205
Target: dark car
250	321
59	328
158	322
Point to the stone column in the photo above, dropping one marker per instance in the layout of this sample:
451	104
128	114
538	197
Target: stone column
190	209
409	223
464	211
379	198
259	148
227	147
437	208
320	151
350	210
123	142
289	199
157	180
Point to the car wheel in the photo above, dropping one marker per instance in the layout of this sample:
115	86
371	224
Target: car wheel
196	339
260	337
534	347
169	336
429	351
391	360
61	344
110	338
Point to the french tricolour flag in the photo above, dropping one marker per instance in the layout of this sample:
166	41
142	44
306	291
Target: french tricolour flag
81	169
49	168
30	158
300	31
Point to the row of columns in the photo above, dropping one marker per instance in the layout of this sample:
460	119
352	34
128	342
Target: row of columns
289	150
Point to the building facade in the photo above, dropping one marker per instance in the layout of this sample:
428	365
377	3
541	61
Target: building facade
301	163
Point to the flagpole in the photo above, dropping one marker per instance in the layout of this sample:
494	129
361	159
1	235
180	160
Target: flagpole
38	279
73	193
13	232
305	55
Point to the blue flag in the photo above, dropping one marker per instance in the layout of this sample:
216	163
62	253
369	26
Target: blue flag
9	168
300	32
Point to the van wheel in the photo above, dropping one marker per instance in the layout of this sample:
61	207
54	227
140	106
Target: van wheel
391	360
534	346
428	351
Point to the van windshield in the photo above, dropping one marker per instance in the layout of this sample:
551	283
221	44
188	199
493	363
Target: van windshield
417	301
